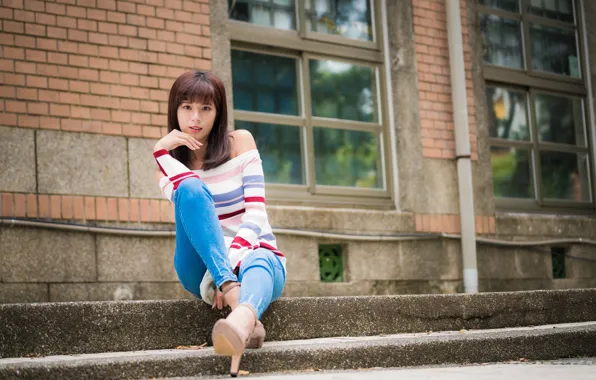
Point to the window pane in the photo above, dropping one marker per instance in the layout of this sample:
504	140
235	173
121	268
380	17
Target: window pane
554	50
512	176
561	10
506	5
343	91
347	158
264	83
501	40
279	146
507	114
559	119
277	13
565	176
347	18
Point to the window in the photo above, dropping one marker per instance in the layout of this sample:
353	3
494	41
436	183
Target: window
307	81
536	97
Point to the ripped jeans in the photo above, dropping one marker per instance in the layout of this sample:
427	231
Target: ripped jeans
200	247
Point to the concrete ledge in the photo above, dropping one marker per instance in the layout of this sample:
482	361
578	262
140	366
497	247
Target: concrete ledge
539	343
89	327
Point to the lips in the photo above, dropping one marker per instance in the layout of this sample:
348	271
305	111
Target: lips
195	129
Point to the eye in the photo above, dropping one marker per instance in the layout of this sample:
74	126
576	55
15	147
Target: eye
206	108
186	107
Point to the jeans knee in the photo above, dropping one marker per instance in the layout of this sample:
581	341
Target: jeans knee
260	257
192	188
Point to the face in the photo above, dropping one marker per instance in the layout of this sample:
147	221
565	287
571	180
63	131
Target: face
196	119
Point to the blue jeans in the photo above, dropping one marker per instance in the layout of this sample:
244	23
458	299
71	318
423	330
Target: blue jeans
200	247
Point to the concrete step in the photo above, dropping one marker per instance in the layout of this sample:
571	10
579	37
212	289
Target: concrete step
90	327
455	347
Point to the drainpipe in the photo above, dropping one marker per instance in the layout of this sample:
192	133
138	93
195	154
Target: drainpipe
462	145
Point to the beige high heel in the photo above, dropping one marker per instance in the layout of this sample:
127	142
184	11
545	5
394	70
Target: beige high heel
257	337
227	342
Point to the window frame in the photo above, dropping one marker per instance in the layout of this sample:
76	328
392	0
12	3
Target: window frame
536	82
311	45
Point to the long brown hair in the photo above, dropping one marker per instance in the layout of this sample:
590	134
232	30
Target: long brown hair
203	87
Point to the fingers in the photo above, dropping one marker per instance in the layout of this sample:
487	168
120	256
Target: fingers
189	141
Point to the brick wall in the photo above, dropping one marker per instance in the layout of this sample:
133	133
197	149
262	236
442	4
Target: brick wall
434	83
99	67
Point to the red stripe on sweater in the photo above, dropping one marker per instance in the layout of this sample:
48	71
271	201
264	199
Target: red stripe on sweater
232	214
177	183
159	153
178	176
254	199
241	241
272	249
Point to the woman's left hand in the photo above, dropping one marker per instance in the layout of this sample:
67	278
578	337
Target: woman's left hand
218	300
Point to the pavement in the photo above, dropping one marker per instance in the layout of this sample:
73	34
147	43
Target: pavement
568	369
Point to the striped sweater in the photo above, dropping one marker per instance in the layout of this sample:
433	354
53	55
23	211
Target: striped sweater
238	189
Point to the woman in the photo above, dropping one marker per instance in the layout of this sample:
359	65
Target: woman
223	238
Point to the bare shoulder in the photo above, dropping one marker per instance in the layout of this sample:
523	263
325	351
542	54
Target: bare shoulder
242	141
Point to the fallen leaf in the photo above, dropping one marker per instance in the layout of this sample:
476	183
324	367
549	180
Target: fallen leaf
191	347
243	373
462	331
523	360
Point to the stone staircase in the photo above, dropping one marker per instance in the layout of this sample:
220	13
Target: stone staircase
138	339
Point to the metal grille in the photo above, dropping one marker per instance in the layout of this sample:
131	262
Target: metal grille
331	262
558	260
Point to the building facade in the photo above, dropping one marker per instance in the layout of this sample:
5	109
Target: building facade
366	114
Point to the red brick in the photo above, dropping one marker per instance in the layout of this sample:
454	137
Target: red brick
49	122
127	30
77	35
76	12
132	130
58	84
78	86
80	112
59	110
79	209
107	4
154	209
151	132
37	108
88	25
156	23
71	125
137	43
57	9
43	205
66	22
7	204
28	121
34	81
87	49
116	40
183	16
112	129
69	97
54	32
20	205
144	210
133	209
91	126
112	209
136	20
101	208
96	14
16	106
21	93
98	38
89	208
100	114
13	4
108	52
100	89
88	74
24	41
13	27
67	209
8	119
116	17
45	19
150	34
55	207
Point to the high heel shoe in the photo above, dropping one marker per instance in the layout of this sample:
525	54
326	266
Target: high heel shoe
257	337
227	341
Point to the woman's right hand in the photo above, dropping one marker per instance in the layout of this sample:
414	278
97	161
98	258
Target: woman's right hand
177	138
